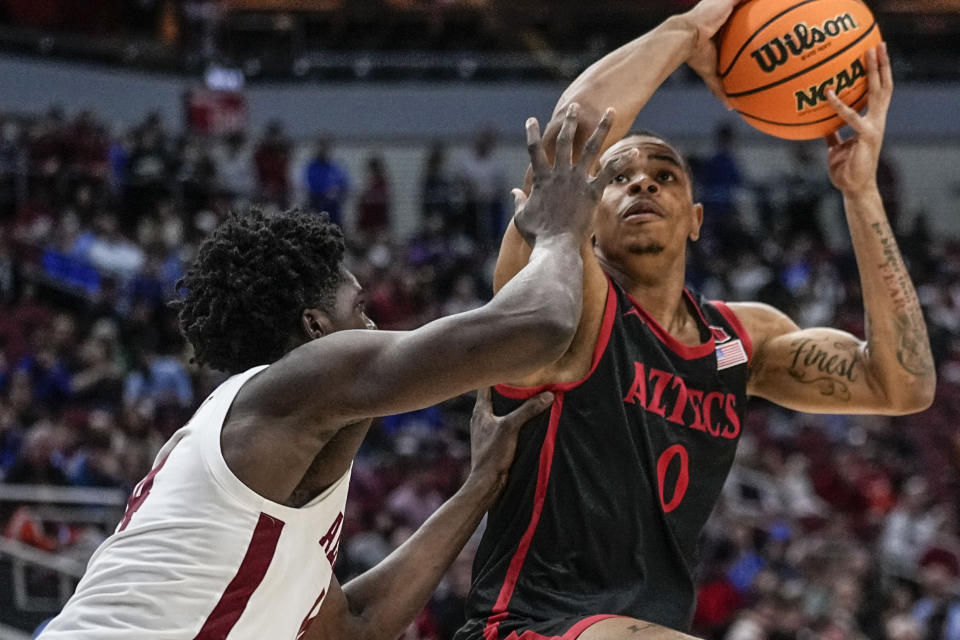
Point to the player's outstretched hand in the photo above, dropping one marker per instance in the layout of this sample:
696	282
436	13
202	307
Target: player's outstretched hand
706	18
853	162
564	196
493	439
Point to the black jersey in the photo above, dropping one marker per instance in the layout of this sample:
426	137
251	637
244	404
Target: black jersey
611	488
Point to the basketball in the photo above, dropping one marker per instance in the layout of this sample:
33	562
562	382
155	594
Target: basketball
778	58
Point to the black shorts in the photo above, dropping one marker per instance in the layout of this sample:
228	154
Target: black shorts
512	628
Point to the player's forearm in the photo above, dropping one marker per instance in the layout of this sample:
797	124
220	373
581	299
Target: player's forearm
388	597
898	349
548	289
627	77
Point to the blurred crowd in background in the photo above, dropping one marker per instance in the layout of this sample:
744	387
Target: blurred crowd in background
837	527
481	39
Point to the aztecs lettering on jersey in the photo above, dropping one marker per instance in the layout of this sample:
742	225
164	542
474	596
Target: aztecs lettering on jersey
331	539
669	396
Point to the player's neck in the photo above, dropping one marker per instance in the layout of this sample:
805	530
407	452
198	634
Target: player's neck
657	285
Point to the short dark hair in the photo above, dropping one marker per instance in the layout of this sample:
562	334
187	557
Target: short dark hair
250	282
647	133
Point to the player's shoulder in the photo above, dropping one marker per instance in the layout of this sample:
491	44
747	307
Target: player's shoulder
761	320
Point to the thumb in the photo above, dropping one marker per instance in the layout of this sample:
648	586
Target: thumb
519	199
535	405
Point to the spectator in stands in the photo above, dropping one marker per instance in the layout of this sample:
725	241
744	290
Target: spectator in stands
88	148
272	162
149	166
327	182
98	379
803	187
484	179
45	147
40	458
158	377
436	188
373	202
908	529
233	161
196	174
718	178
12	168
938	609
110	251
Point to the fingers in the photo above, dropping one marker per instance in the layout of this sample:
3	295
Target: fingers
886	70
834	139
519	199
567	133
613	166
538	159
595	143
535	405
874	85
846	114
483	395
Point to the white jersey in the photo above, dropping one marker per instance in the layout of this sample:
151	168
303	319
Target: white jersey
198	555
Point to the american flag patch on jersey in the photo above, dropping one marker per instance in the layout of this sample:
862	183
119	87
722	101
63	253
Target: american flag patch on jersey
730	354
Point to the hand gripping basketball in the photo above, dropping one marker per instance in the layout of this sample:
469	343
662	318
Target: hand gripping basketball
564	196
706	18
853	162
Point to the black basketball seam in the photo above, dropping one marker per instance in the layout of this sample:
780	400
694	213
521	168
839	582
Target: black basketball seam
761	28
800	124
800	73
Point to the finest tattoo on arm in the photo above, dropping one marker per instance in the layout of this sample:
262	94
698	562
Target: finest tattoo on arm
828	365
913	346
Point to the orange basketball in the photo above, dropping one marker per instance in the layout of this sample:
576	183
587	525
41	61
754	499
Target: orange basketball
778	58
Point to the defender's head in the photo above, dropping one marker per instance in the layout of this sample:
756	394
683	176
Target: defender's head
262	285
648	209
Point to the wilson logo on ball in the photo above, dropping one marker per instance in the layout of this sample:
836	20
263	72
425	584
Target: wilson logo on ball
780	49
810	98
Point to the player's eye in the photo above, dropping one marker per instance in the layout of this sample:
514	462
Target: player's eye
666	176
621	179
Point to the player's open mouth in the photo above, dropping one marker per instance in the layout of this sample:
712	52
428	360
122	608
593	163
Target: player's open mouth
641	211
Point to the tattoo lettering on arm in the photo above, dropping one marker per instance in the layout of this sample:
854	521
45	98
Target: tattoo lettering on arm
828	365
913	353
913	346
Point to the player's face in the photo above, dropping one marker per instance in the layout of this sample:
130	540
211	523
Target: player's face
648	208
349	311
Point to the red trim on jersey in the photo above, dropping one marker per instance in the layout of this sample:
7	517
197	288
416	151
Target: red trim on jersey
249	575
570	634
684	351
516	563
734	321
584	624
606	327
140	493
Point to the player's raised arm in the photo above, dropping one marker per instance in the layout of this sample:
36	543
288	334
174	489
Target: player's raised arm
830	371
625	79
350	375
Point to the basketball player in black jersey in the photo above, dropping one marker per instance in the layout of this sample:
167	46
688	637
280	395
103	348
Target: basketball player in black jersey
595	536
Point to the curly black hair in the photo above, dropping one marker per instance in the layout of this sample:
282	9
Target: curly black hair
250	282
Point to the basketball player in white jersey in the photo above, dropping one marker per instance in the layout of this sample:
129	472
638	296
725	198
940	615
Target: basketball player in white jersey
234	532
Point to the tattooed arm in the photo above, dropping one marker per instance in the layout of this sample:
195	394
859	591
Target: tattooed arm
830	371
